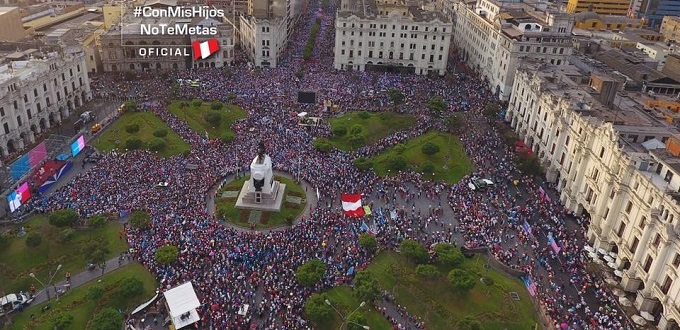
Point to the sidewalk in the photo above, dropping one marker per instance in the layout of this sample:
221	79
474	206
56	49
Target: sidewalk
80	279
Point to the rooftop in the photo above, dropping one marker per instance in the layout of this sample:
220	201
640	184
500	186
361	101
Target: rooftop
6	9
372	9
24	69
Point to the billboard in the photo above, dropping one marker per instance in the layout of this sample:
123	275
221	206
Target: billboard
26	162
18	197
78	145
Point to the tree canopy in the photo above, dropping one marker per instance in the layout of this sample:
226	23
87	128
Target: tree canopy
366	286
316	308
413	250
310	272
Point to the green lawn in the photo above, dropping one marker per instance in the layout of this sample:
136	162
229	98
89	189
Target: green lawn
343	300
226	206
450	163
18	260
195	117
115	136
375	126
441	306
75	301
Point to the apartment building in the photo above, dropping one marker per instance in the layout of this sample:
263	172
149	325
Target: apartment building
36	92
653	11
265	31
391	35
495	36
670	28
613	155
603	7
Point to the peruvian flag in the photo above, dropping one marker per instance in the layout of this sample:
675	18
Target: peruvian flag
351	204
204	49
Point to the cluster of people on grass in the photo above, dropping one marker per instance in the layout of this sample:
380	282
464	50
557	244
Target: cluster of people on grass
231	267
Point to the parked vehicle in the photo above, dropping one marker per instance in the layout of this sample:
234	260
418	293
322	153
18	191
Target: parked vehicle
480	184
14	301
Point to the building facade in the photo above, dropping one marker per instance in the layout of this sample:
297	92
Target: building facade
615	163
37	93
494	37
653	11
264	40
670	28
602	7
390	35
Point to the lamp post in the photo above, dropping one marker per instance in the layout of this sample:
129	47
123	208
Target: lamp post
48	282
345	318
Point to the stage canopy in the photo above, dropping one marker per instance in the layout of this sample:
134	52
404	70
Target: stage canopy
182	303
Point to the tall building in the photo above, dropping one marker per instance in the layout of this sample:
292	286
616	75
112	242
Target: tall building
391	35
602	7
12	28
615	157
670	28
36	92
495	36
265	30
654	11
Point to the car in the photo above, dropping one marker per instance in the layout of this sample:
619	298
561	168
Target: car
14	301
479	184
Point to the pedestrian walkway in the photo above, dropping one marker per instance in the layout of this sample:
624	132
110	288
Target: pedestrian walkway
80	279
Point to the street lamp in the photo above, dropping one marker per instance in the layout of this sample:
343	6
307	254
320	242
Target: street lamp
344	318
48	282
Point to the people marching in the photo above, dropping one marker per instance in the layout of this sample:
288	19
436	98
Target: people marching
231	267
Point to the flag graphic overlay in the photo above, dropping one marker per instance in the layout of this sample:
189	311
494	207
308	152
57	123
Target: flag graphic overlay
203	50
351	204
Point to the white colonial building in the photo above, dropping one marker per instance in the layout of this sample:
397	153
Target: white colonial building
617	160
264	40
494	36
36	92
391	35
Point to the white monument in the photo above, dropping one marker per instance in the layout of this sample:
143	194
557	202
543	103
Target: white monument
261	191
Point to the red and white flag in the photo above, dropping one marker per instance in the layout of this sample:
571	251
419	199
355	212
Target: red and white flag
204	49
351	204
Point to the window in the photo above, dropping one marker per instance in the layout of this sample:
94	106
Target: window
44	87
642	224
648	264
666	285
28	114
633	247
622	228
6	126
601	152
629	207
656	241
2	111
676	260
19	120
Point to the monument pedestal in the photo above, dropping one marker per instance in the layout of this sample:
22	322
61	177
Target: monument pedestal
248	199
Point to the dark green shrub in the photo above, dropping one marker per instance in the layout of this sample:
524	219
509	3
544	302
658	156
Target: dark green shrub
132	128
213	118
364	115
63	218
156	144
97	221
33	240
217	106
133	144
340	131
67	235
160	133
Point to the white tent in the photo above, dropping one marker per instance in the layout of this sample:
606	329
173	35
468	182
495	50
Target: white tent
182	303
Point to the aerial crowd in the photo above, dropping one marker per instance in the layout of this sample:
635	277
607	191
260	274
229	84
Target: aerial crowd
231	267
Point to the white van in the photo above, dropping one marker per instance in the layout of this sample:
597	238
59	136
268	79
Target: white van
14	301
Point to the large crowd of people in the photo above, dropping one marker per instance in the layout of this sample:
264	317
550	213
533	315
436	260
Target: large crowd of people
230	267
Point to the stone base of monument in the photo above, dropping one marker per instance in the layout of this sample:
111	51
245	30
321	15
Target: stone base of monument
271	202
